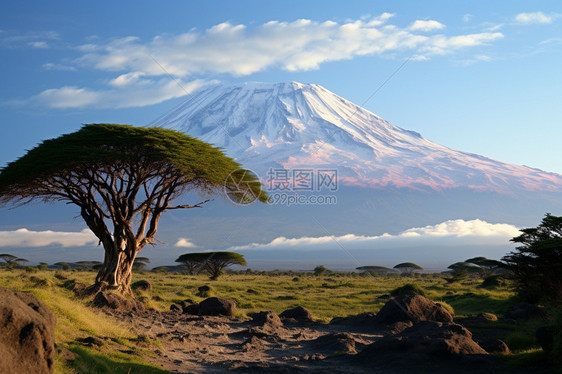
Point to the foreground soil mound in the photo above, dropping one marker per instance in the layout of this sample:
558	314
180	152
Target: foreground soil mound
424	338
27	334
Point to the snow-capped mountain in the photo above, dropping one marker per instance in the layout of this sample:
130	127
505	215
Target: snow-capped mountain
295	125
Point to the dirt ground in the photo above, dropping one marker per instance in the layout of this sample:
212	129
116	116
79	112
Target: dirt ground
208	344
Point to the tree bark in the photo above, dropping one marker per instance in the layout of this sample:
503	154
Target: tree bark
116	272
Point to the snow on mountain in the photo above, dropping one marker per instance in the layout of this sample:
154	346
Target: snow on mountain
295	125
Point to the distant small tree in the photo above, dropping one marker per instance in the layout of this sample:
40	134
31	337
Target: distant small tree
408	267
488	266
320	270
63	265
43	266
212	263
11	260
374	269
140	263
536	264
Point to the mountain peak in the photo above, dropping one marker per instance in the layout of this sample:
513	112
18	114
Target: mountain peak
296	125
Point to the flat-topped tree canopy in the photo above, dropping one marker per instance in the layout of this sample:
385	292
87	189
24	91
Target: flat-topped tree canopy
408	267
123	178
211	262
112	148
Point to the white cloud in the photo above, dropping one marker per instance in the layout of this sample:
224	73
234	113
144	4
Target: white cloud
240	50
498	233
27	238
534	18
39	45
125	92
430	25
467	17
185	243
62	67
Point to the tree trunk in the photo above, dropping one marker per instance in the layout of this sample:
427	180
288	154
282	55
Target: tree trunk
116	272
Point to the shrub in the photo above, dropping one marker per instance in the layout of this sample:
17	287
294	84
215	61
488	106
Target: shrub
408	287
519	340
491	281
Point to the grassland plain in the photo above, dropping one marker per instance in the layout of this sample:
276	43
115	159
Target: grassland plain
326	296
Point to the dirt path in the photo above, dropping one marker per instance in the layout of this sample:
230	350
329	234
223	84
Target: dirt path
207	344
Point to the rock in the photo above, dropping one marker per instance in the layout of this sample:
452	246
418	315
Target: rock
267	320
176	308
73	285
423	339
523	311
67	354
411	307
253	343
216	306
204	291
110	300
363	320
192	309
492	345
299	313
545	337
490	317
27	334
336	342
143	285
90	341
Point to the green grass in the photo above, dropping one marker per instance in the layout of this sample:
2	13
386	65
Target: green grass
326	296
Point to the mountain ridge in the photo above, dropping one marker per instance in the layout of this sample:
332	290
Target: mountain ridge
294	125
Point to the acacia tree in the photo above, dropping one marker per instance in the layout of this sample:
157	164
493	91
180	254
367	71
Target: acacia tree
11	260
211	262
123	178
408	267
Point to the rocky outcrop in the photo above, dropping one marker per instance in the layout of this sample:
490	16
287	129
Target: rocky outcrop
26	334
423	339
411	307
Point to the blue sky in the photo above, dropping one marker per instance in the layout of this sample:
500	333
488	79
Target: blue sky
485	76
478	76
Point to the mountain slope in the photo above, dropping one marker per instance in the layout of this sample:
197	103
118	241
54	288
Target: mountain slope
294	125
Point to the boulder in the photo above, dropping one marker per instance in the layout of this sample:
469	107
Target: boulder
411	307
110	300
27	335
177	308
143	285
216	306
268	320
423	339
192	309
299	313
493	345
